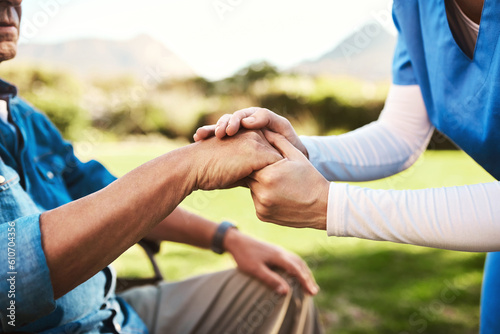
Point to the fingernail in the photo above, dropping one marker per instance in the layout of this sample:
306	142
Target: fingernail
250	119
281	290
217	128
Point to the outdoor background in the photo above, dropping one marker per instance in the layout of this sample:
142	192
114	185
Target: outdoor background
128	83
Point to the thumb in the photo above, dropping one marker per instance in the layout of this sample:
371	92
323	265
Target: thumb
264	118
258	119
286	149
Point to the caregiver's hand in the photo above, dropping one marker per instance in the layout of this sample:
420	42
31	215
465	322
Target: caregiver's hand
251	118
290	192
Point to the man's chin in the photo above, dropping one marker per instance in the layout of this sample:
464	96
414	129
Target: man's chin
8	50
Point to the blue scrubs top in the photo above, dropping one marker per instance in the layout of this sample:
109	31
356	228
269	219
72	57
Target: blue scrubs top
462	96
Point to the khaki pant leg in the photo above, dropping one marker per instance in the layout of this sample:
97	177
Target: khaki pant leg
224	302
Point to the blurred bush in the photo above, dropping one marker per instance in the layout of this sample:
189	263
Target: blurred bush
124	105
56	93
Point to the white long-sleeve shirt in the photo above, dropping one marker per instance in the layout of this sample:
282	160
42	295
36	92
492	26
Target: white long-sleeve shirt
458	218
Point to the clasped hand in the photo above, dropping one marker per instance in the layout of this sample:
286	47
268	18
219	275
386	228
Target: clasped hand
285	187
287	191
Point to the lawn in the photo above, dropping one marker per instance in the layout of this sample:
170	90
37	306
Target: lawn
367	287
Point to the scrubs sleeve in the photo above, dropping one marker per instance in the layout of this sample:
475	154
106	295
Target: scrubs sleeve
27	293
402	69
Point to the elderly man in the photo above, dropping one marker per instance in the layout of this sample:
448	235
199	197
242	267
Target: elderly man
62	222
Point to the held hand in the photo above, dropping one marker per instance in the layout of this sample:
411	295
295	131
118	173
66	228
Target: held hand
254	119
223	163
290	192
256	259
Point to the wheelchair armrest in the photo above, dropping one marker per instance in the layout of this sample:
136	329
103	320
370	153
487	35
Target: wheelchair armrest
150	248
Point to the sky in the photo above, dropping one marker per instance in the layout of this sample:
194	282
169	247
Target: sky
214	37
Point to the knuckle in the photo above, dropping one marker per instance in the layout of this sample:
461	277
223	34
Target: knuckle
224	118
267	203
263	112
300	262
263	213
285	121
258	208
267	179
240	113
254	136
282	257
254	267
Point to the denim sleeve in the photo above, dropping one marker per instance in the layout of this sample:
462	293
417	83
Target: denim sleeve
81	178
26	290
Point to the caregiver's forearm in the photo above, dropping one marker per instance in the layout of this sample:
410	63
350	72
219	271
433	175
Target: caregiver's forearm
380	149
465	218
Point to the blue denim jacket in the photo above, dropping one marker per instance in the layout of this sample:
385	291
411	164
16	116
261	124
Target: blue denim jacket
43	173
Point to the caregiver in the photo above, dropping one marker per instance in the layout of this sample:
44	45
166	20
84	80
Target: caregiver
446	75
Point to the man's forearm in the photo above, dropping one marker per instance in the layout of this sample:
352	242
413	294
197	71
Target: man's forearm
81	238
184	227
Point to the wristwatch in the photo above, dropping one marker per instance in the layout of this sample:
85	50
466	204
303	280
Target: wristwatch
217	240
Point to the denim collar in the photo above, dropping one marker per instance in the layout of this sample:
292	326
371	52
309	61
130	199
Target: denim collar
7	89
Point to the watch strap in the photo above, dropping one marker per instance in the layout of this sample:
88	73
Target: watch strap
218	239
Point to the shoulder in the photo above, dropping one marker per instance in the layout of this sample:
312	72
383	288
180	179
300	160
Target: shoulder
407	13
27	111
33	122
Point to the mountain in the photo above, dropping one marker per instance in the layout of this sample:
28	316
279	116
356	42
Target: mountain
365	54
142	56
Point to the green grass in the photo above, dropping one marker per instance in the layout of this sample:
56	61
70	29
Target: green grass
367	287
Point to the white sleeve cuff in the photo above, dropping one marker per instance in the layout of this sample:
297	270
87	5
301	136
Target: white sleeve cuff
336	212
461	218
313	150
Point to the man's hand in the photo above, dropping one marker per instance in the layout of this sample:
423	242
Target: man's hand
256	259
252	119
223	163
253	257
84	236
290	192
